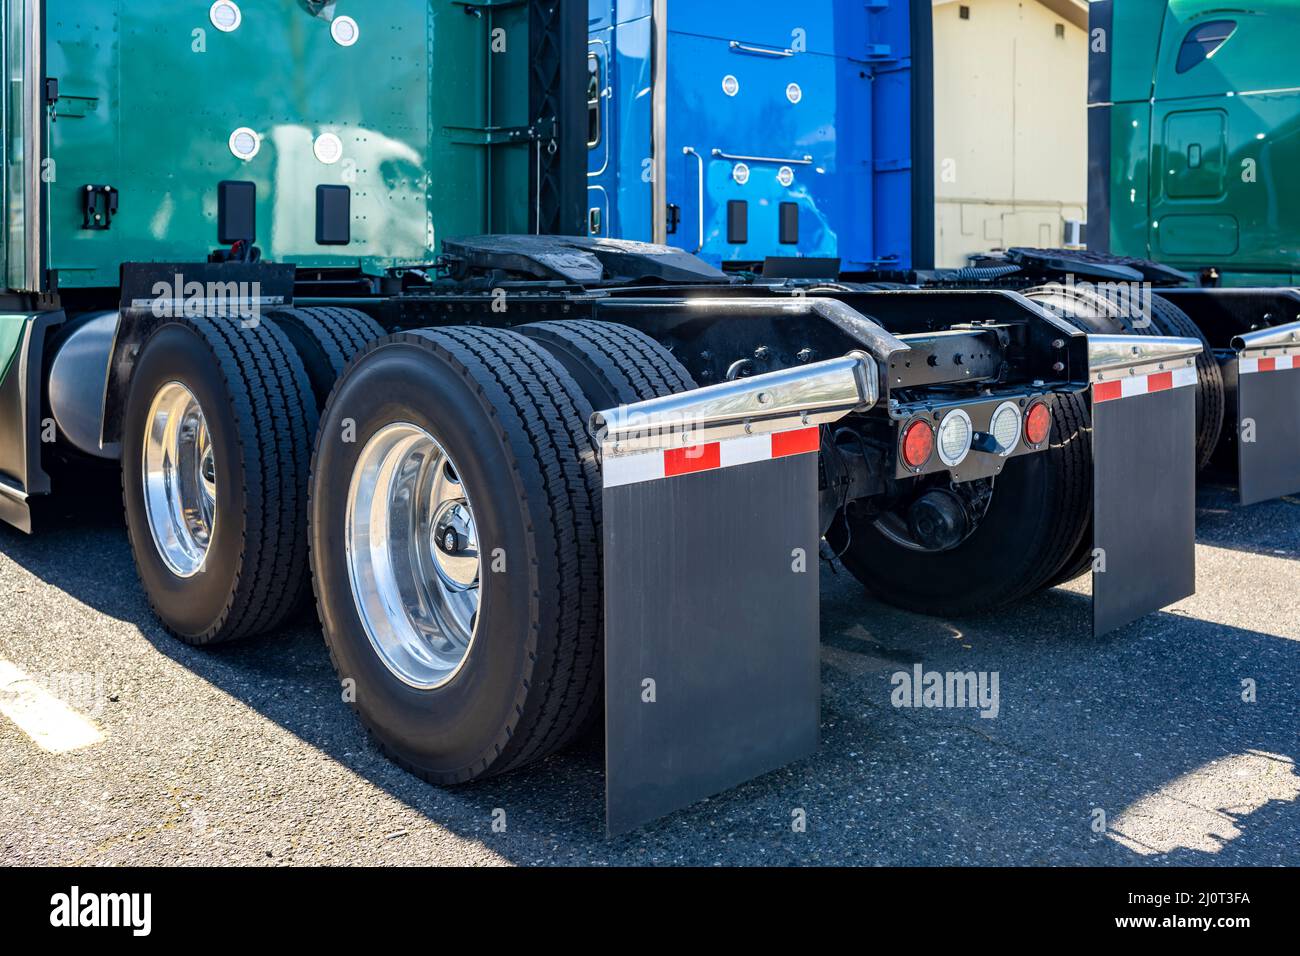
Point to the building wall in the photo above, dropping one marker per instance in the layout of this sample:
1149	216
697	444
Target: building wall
1011	136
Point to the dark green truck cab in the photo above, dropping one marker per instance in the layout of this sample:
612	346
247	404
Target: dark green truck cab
1194	122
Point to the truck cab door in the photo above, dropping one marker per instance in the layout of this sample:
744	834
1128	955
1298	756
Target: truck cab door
598	138
1224	125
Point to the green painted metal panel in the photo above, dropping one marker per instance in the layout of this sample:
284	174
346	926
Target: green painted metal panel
1134	39
1130	176
151	93
12	328
1222	137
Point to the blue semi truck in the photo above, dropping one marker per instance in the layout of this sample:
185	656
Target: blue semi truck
795	144
766	130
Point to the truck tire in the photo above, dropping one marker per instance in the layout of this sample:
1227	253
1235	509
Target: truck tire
326	340
1041	506
612	364
1210	391
216	442
1093	313
480	652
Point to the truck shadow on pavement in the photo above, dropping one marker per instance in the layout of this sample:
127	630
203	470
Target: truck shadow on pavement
1137	748
1270	528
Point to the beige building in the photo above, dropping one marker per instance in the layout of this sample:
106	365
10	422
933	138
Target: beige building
1011	129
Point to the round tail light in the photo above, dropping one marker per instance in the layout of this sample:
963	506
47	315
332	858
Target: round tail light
1038	423
1005	428
918	443
955	437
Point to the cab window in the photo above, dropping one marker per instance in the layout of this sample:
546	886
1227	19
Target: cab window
1203	42
594	88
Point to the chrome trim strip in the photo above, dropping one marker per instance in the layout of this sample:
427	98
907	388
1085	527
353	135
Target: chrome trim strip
1115	356
739	47
659	125
690	151
807	395
33	135
806	161
1281	337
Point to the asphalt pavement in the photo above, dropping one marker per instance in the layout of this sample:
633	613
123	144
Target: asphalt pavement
1174	740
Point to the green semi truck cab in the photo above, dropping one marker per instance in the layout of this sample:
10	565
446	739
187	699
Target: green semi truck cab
1194	122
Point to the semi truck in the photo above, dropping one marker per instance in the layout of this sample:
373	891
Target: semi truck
311	280
797	144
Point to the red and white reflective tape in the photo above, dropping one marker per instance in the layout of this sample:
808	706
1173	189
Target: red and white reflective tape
1247	366
1132	385
670	463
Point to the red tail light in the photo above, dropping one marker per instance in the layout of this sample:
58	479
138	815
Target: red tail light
1038	424
918	443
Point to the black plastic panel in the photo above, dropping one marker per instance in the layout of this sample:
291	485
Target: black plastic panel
737	221
236	212
789	224
333	215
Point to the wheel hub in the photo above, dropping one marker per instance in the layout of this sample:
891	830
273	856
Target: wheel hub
413	555
179	475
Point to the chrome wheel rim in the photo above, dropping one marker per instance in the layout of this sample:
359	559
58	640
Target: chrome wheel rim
413	556
180	480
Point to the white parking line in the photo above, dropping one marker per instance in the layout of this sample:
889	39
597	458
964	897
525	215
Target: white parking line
49	722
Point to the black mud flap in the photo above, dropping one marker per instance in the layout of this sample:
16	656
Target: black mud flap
712	666
1144	496
1268	426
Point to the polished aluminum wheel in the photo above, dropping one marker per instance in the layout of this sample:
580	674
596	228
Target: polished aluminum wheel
180	479
413	555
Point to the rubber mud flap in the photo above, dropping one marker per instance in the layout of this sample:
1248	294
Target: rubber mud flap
712	646
1268	426
1144	499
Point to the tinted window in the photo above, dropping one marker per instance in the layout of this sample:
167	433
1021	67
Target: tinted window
593	101
1202	42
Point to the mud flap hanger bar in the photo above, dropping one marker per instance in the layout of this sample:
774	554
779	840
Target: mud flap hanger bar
794	398
1143	392
712	645
1264	374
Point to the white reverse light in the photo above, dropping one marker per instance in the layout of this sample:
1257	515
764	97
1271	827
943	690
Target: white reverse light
328	148
225	16
345	31
245	143
955	436
1006	428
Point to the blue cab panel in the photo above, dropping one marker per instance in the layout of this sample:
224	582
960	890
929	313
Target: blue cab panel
788	128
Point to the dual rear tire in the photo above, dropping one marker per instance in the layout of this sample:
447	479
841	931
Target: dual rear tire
217	433
454	517
524	678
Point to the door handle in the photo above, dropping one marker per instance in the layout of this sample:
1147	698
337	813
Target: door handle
805	161
690	151
738	47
